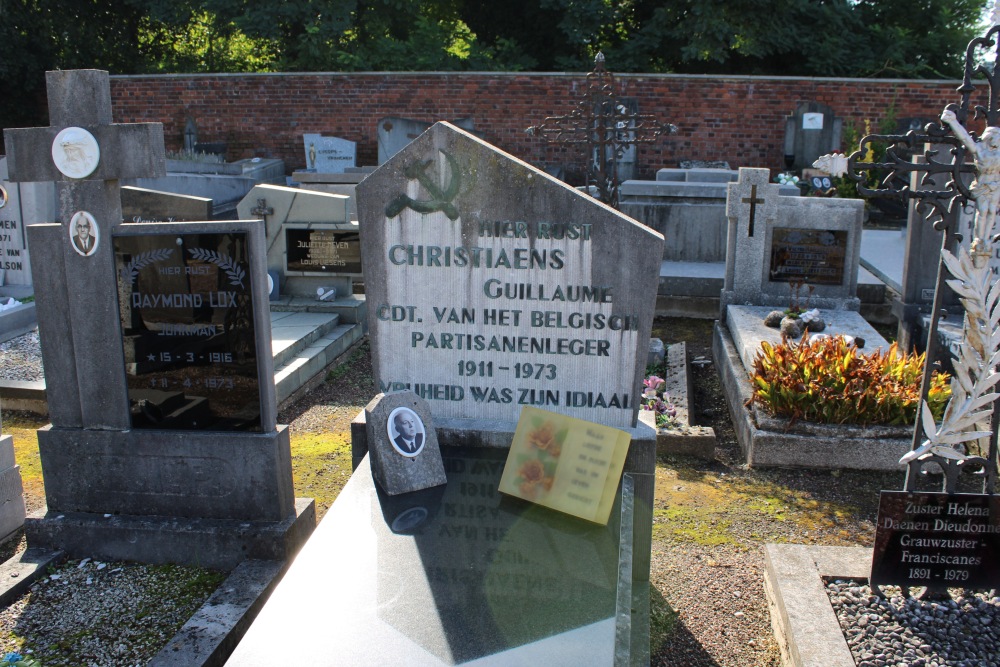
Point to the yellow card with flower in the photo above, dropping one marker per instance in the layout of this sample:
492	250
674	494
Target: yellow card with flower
567	464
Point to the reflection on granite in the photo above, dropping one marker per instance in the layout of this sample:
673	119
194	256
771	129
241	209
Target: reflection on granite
458	574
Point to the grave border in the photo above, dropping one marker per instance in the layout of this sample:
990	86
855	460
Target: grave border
802	618
808	445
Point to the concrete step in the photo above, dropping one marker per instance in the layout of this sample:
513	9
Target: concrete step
314	358
292	332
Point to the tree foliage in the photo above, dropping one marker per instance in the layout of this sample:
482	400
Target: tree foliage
865	38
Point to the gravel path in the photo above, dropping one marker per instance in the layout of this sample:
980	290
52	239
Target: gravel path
21	358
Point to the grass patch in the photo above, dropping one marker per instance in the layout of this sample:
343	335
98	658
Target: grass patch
321	466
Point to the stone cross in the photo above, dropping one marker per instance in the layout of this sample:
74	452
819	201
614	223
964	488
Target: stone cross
78	317
751	199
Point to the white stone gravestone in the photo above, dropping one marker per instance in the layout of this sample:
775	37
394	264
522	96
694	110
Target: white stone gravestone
329	155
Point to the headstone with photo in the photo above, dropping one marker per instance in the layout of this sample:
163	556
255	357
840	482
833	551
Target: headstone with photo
491	287
157	357
811	130
328	155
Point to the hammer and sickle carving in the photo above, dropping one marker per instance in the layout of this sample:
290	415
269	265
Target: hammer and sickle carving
441	200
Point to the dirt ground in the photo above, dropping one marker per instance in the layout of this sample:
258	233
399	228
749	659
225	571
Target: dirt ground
711	518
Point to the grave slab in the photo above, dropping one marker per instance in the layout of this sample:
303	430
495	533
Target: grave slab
418	579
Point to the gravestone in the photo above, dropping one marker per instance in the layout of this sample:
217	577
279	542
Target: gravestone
784	252
394	134
157	356
328	155
810	131
21	204
311	242
12	510
540	296
491	286
142	205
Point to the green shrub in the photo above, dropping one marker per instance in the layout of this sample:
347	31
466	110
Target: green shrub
827	381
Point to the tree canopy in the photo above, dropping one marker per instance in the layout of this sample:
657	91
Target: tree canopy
861	38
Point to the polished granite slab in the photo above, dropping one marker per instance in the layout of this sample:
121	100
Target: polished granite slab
457	574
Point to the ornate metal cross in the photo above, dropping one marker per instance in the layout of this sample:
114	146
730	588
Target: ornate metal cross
602	124
970	417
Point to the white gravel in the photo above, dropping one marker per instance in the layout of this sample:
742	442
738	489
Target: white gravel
963	631
21	358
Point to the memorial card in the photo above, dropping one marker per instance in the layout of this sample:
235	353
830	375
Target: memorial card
566	464
188	328
937	540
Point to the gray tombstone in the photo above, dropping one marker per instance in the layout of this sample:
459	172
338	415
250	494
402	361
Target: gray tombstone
21	204
491	286
811	130
157	355
311	242
12	510
142	205
776	242
329	155
403	443
394	134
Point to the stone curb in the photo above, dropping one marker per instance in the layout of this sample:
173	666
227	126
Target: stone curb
802	618
686	440
823	447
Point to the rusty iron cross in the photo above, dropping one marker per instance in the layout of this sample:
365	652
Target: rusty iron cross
601	123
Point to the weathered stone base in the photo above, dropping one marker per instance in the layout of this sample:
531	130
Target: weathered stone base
11	490
196	474
804	624
768	442
212	543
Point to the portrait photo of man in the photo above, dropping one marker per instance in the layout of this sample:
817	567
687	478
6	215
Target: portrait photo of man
406	431
83	233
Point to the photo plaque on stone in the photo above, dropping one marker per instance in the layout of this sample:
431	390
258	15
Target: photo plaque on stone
322	250
814	256
188	326
937	540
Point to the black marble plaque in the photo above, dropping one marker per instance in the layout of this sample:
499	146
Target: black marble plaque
814	256
937	540
322	251
188	331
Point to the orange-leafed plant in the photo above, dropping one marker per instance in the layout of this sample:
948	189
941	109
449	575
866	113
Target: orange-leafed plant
829	381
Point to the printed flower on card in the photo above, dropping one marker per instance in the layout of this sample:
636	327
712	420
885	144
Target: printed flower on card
533	480
546	439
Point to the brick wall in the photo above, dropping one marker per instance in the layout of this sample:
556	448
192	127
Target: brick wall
737	119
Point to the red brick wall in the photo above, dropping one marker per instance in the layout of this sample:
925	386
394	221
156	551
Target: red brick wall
737	119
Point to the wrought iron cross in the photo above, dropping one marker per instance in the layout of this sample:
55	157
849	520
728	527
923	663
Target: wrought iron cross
602	124
941	205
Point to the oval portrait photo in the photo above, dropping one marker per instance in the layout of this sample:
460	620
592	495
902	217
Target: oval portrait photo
83	234
406	431
3	197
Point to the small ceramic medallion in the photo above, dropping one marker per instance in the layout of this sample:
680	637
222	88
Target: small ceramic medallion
75	152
